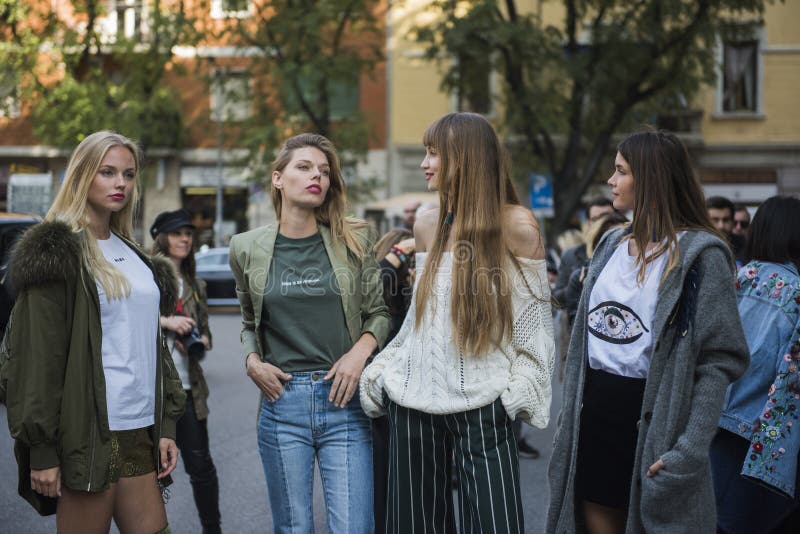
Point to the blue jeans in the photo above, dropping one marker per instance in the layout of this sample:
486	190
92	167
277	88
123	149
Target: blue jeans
301	425
743	506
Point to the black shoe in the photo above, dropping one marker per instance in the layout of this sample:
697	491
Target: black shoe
526	450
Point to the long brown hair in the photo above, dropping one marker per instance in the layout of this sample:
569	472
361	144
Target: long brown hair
667	196
332	211
188	266
474	185
71	206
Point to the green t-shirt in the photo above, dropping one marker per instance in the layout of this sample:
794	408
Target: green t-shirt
303	320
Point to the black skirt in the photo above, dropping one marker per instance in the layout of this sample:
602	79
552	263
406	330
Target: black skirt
607	441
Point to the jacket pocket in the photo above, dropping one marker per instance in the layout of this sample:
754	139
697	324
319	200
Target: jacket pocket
670	495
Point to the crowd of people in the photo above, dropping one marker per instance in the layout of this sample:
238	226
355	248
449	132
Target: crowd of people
404	366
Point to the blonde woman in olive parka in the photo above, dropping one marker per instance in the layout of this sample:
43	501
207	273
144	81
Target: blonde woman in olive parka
67	404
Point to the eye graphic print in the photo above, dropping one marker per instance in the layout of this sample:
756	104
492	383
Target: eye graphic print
615	323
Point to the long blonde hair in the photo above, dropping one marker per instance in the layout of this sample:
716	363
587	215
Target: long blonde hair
71	202
332	211
474	186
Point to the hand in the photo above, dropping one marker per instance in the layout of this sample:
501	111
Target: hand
47	481
346	373
407	244
266	376
178	323
167	455
206	341
655	468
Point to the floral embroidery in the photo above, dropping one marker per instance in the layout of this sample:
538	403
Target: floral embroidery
775	424
749	281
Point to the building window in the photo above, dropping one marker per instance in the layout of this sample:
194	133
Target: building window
226	9
231	98
9	96
740	76
343	95
126	19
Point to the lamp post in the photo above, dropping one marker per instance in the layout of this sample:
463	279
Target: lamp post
219	76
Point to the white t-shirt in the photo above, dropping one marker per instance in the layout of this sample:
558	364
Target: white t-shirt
181	360
620	317
130	333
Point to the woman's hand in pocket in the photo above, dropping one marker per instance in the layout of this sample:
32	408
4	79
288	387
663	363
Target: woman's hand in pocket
266	376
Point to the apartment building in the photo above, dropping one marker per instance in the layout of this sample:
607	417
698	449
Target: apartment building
743	133
202	74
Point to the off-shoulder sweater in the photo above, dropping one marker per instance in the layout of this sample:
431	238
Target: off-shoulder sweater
423	368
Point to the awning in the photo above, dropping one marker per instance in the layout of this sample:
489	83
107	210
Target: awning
394	205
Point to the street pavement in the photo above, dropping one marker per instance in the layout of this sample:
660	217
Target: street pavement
232	429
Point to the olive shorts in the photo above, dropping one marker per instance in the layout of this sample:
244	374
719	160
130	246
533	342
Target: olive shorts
132	453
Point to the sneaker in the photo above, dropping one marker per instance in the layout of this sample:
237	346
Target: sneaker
526	450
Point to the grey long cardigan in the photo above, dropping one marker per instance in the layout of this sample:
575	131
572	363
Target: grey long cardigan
689	371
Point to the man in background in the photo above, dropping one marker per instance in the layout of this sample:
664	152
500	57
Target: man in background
741	221
720	211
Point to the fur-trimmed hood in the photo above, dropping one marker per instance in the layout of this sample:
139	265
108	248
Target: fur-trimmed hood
51	252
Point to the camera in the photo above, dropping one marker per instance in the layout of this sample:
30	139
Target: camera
193	345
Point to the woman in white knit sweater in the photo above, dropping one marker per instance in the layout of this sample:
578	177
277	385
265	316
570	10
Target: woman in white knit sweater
476	349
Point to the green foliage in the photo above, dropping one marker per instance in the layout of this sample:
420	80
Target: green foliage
306	75
76	79
569	88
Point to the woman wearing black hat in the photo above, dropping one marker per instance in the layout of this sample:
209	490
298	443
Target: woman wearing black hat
188	336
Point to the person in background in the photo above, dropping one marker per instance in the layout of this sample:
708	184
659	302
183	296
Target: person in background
410	214
93	394
475	351
312	314
655	344
741	220
395	255
173	235
721	211
754	454
575	257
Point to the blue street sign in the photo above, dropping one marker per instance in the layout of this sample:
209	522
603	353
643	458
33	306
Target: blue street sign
541	194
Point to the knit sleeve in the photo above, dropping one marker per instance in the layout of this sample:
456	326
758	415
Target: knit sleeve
529	391
371	382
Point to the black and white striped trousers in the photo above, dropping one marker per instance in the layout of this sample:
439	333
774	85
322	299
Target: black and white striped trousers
422	450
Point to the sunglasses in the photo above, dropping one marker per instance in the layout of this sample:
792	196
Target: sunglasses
743	224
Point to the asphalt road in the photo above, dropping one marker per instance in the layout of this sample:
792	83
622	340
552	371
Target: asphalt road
232	428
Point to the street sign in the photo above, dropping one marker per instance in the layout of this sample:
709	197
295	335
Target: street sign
541	194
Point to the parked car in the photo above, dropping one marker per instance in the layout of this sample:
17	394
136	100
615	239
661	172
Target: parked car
212	266
12	225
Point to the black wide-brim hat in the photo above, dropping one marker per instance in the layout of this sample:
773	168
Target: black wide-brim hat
169	221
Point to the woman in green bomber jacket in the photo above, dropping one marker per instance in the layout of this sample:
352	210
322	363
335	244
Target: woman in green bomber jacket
313	312
93	394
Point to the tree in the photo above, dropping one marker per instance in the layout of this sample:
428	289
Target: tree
311	56
567	90
76	77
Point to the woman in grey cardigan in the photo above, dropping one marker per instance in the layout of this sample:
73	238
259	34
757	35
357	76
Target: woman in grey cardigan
656	341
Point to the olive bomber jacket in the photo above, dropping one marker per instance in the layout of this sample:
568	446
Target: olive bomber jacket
56	384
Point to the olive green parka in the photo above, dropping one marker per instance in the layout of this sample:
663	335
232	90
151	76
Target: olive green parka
56	394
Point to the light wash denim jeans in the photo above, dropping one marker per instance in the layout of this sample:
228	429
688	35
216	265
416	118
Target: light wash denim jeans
301	425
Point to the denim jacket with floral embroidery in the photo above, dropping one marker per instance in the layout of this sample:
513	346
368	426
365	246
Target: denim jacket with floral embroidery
763	405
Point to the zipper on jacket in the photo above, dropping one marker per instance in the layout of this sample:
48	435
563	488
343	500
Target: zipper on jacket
91	455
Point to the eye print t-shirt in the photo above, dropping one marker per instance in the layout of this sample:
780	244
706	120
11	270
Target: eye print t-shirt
620	318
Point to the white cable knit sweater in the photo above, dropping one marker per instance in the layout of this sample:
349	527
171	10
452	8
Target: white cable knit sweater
425	371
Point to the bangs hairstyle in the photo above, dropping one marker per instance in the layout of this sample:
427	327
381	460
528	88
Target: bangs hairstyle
332	211
188	266
474	185
774	234
667	196
71	206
